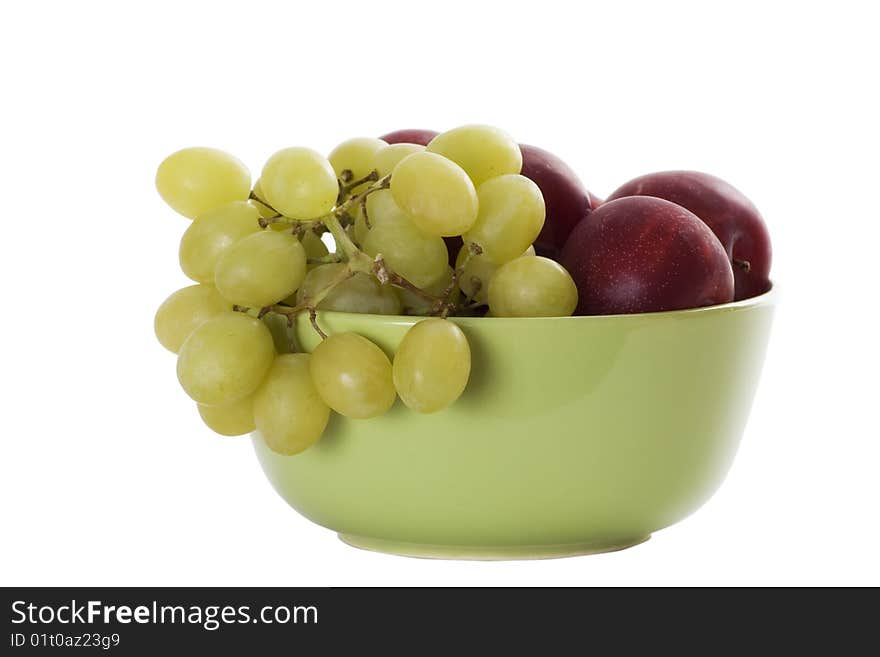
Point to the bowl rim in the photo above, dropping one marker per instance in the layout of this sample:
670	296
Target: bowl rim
764	299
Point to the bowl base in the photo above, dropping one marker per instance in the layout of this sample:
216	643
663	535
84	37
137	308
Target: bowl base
489	552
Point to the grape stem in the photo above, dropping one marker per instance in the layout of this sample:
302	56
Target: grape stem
329	259
448	305
471	249
373	176
256	198
300	228
310	303
441	305
266	221
357	260
364	212
385	275
313	318
341	211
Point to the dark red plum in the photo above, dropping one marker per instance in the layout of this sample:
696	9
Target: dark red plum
410	136
641	254
731	216
595	201
566	199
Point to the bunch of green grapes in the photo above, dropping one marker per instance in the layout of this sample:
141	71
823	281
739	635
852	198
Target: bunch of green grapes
258	256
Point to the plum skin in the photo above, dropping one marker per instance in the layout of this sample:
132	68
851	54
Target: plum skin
641	254
566	200
409	136
728	213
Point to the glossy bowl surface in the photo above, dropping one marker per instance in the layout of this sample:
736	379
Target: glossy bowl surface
574	435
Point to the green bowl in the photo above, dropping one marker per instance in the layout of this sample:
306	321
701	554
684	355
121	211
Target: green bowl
575	435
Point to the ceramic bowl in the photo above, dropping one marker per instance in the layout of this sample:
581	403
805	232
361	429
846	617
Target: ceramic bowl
575	435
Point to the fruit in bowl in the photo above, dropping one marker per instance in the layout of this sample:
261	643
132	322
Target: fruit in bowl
568	202
731	216
409	136
486	421
641	254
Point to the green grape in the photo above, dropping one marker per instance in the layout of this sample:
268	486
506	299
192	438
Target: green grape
352	375
510	218
387	158
261	269
478	268
314	245
418	257
282	334
532	286
432	365
481	150
356	155
225	358
311	241
435	193
211	235
475	276
264	210
235	419
299	183
183	312
288	412
381	209
415	304
196	180
361	293
360	225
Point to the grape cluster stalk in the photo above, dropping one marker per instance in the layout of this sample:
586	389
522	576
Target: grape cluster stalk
357	261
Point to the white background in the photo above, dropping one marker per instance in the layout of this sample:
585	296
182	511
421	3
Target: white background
107	476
